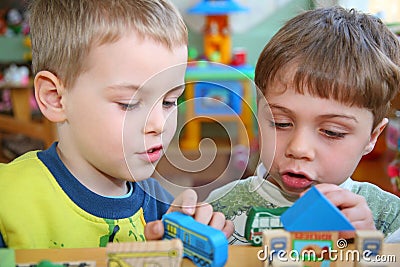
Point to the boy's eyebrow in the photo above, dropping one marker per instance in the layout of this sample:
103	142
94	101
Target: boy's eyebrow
343	116
129	87
324	116
272	106
282	109
133	87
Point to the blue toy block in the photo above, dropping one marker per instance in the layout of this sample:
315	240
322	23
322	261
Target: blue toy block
314	212
202	244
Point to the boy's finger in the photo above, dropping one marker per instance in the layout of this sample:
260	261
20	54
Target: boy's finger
185	202
229	228
344	199
218	220
154	230
325	188
204	214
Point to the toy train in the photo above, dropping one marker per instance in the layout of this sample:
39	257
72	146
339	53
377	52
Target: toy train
202	244
260	219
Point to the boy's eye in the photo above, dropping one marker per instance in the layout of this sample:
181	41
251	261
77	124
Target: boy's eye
333	134
127	107
280	124
169	104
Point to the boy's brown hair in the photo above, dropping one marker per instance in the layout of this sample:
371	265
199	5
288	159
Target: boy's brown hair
64	31
338	54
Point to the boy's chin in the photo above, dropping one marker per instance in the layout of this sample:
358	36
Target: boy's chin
291	194
295	190
140	175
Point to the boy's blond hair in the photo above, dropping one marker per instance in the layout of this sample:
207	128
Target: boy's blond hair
64	31
338	54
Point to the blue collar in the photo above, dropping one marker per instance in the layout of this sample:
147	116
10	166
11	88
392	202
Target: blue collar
97	205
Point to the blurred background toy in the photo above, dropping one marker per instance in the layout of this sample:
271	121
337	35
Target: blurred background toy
17	75
14	22
217	33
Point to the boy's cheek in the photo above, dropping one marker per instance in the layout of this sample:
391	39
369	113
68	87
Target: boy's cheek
267	155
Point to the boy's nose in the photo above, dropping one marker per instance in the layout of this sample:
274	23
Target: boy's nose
300	145
155	120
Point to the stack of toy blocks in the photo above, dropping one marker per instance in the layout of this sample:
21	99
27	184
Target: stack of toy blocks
317	234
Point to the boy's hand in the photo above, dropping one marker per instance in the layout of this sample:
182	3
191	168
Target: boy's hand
353	206
186	202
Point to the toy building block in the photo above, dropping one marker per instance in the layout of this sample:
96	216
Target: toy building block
274	243
167	253
276	240
314	224
202	244
299	248
371	240
314	247
369	243
314	212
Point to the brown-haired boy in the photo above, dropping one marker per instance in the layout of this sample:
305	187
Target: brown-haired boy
326	80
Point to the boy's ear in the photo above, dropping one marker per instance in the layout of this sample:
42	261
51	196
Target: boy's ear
48	94
375	134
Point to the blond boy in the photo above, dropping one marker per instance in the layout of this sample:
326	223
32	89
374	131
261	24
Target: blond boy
108	73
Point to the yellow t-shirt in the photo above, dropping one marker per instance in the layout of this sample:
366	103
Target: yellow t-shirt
39	211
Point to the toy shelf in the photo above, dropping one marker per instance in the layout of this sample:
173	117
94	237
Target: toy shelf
13	49
218	93
21	119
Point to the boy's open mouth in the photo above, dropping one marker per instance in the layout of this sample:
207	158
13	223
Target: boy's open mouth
296	180
153	154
